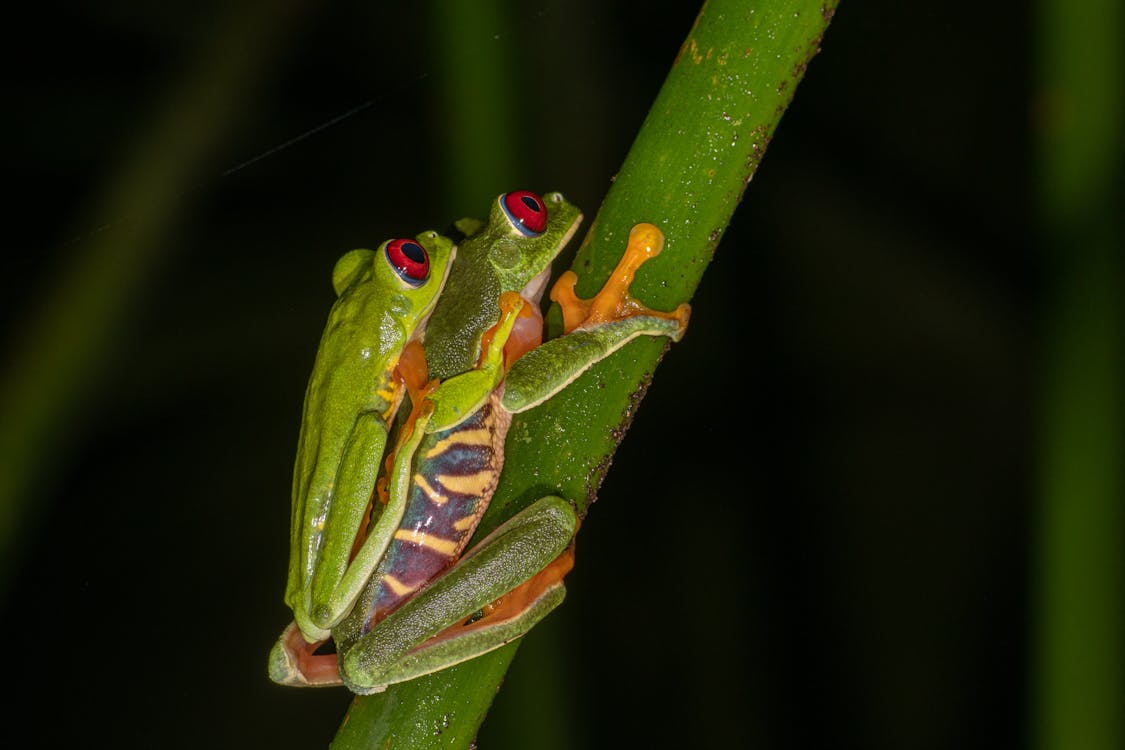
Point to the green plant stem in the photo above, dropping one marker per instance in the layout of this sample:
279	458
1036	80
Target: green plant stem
686	172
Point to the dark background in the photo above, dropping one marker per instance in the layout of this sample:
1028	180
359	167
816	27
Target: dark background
817	531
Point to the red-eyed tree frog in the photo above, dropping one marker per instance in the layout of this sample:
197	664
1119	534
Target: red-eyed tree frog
384	298
426	606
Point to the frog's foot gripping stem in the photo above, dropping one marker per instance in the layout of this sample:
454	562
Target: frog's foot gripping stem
595	328
614	302
293	662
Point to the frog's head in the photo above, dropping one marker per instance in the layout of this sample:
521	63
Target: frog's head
405	274
526	234
511	252
384	298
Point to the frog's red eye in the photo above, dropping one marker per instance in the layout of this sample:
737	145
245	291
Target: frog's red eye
410	261
526	212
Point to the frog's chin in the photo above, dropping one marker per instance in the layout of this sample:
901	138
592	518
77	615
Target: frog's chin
533	290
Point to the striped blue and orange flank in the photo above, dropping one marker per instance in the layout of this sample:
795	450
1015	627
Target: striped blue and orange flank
455	474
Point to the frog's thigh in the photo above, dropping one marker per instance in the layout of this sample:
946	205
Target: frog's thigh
512	554
359	468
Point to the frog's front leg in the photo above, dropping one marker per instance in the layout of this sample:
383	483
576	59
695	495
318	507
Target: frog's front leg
594	328
493	595
463	395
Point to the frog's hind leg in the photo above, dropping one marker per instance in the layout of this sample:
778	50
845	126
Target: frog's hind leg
294	662
493	595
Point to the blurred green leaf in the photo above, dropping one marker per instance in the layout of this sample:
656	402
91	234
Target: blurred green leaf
64	348
1079	658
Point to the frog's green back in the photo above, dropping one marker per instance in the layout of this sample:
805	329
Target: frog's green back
499	257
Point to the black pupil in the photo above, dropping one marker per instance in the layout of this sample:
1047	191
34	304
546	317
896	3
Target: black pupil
414	252
531	203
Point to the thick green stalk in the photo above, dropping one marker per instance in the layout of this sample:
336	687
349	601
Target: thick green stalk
686	171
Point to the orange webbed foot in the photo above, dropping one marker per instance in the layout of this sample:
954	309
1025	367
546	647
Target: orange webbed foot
614	302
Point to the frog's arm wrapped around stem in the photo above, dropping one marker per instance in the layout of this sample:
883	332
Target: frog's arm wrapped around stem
594	328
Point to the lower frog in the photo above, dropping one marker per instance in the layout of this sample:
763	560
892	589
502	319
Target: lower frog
428	606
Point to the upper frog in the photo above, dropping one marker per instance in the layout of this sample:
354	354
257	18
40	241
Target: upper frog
384	298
